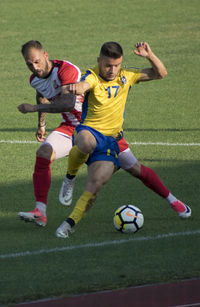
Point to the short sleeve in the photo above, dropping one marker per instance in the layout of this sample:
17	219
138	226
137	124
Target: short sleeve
68	73
90	78
134	75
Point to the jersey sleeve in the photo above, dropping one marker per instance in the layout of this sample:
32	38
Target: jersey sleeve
134	75
68	73
90	78
31	78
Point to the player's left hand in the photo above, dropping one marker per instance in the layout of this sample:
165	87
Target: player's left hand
40	134
143	49
26	108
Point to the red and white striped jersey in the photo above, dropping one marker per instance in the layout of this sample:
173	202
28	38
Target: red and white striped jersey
62	73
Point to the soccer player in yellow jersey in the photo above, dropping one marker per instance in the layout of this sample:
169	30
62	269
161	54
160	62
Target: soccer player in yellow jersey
104	105
99	138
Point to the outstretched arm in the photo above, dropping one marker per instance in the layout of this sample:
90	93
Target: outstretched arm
64	103
78	88
158	70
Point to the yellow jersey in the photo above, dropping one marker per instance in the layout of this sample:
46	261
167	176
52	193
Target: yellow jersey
104	103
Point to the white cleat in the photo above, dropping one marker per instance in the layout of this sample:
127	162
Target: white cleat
66	191
64	230
35	216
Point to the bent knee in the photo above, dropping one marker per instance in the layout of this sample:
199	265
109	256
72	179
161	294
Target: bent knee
85	141
45	151
135	169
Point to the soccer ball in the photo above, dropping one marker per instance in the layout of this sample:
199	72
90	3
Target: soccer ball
128	218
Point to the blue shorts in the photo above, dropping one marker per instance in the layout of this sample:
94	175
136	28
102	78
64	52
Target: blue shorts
106	149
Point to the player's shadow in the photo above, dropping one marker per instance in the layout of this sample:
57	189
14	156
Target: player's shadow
181	178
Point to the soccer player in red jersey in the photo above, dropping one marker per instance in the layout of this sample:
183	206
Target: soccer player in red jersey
49	78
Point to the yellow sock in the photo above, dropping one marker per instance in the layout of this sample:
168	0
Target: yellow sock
75	160
84	204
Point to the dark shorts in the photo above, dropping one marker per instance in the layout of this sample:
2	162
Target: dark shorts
106	149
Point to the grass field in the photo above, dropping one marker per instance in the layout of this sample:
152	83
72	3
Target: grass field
34	263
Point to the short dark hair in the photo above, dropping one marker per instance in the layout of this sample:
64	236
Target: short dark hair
111	50
31	44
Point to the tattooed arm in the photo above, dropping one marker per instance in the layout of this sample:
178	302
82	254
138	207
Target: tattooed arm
41	130
57	106
63	103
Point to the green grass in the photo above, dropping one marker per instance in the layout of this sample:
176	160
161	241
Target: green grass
161	111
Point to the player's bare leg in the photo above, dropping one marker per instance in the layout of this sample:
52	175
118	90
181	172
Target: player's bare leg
99	173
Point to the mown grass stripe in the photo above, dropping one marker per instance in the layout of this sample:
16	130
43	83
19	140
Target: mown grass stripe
17	142
131	143
99	244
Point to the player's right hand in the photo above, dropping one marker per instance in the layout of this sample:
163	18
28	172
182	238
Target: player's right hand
40	134
26	108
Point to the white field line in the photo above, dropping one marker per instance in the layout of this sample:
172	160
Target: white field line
131	143
164	144
100	244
